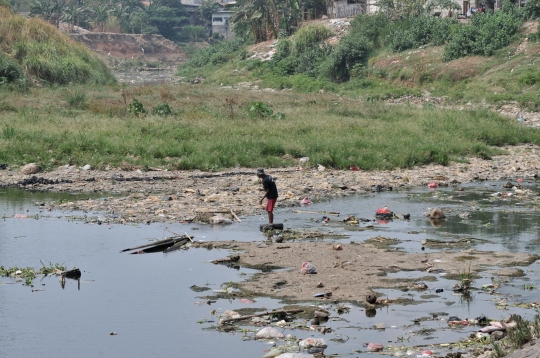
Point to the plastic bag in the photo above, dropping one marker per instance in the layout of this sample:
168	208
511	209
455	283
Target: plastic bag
308	268
312	342
269	333
220	220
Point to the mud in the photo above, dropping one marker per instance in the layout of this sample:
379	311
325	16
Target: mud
355	271
173	196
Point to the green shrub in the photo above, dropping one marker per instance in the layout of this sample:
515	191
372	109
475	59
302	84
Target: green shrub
10	71
486	33
136	108
259	109
162	110
213	54
193	33
531	10
77	99
308	38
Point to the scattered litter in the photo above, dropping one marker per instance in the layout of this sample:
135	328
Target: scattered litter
295	355
220	220
20	216
354	168
312	342
433	185
323	294
305	202
245	300
308	268
269	333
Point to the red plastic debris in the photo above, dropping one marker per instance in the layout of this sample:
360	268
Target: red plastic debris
433	185
427	352
383	211
354	168
520	180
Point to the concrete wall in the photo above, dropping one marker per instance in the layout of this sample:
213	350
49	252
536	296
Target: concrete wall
221	24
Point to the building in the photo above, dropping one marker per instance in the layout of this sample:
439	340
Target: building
221	24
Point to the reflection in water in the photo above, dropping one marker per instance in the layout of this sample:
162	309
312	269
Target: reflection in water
372	312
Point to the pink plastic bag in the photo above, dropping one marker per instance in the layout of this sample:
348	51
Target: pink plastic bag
308	268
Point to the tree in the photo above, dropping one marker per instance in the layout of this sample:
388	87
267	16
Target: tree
167	16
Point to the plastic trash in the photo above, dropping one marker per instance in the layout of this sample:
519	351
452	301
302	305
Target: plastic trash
20	216
439	290
273	353
305	201
433	185
295	355
354	168
3	166
269	333
308	268
383	214
220	220
87	167
313	342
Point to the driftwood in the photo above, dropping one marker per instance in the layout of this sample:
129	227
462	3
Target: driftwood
158	244
236	217
267	313
333	213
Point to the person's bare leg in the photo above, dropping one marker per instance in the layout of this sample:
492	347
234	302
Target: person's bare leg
270	217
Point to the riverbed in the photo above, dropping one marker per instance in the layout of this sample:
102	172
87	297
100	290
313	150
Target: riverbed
145	301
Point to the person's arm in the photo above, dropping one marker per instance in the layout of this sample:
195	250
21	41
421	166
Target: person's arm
265	194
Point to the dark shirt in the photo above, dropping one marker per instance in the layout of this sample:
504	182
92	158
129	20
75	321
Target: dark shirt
269	183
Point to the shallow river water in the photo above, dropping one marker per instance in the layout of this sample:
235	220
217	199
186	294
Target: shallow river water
147	301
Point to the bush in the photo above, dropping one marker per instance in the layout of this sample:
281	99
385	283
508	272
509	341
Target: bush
486	33
162	110
531	10
77	99
214	54
419	30
10	71
529	78
136	108
193	33
352	49
308	38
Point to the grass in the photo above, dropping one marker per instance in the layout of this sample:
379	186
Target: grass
47	54
47	127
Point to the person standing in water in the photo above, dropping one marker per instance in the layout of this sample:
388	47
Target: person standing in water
270	193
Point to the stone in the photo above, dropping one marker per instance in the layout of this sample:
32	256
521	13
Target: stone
437	214
30	168
374	347
371	299
498	335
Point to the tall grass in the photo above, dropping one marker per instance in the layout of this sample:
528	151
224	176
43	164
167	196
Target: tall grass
47	54
200	133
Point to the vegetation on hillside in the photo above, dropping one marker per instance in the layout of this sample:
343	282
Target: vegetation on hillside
44	53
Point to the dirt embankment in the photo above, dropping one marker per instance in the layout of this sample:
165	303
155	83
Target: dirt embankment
149	48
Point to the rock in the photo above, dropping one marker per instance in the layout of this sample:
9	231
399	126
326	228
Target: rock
497	335
321	314
374	347
371	299
380	325
437	214
30	168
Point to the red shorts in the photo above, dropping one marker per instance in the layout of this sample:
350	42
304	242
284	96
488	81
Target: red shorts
270	203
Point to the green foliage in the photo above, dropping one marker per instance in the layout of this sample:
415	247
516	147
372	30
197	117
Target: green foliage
486	33
10	72
214	54
259	110
531	10
162	110
193	33
308	38
136	108
167	16
353	49
419	30
77	99
530	77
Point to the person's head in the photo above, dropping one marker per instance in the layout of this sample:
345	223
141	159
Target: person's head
260	173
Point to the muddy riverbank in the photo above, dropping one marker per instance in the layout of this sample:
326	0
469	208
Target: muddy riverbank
359	269
172	196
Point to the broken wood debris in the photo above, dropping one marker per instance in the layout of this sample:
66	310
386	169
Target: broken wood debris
267	313
333	213
166	245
